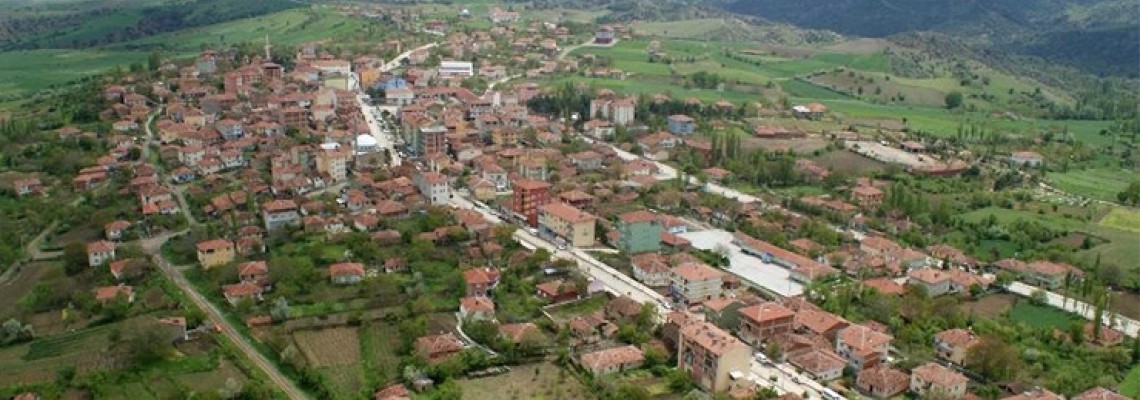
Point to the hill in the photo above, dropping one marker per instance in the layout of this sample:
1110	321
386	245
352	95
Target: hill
80	24
1097	36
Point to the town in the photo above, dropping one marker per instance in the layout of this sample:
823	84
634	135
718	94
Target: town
441	214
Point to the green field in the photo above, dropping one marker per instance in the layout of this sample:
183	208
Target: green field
1099	183
1041	316
1122	219
23	73
1131	386
285	27
1007	216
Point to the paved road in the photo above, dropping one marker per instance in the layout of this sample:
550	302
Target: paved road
615	281
1124	324
228	330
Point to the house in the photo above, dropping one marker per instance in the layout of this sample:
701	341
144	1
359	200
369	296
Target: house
216	253
435	187
521	332
247	291
100	252
639	232
437	348
1050	275
586	160
590	329
1099	393
650	269
114	230
763	321
1026	158
934	282
623	308
567	224
476	308
953	344
577	199
612	360
813	111
104	294
711	356
863	347
680	124
604	35
599	129
527	196
867	196
254	271
28	186
557	291
395	392
346	273
280	214
126	269
693	282
480	281
882	382
821	364
498	16
933	379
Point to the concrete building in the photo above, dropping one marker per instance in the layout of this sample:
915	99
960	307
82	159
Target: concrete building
526	198
279	214
431	140
332	162
711	356
100	252
952	344
863	347
640	232
680	124
694	283
456	68
761	322
435	187
563	222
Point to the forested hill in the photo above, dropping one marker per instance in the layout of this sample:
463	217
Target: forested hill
90	23
1099	36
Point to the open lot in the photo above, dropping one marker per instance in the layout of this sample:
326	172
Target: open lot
799	146
536	381
991	306
846	161
752	270
1041	316
1122	219
890	155
329	347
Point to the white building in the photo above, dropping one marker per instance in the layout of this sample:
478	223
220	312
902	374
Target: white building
366	144
435	187
456	68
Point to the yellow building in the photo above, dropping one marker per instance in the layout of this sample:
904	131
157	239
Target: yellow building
369	77
215	253
563	221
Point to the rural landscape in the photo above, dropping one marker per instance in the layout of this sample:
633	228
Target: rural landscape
547	199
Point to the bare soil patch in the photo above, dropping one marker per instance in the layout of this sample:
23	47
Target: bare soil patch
848	162
991	306
800	146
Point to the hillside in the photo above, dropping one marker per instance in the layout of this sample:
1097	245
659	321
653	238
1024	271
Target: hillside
78	24
1097	36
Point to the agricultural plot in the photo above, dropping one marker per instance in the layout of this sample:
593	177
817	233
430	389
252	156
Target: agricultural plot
535	381
286	27
1041	316
344	382
23	73
1122	219
1099	183
380	341
329	347
843	160
992	306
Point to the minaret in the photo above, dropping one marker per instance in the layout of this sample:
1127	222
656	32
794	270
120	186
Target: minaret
268	57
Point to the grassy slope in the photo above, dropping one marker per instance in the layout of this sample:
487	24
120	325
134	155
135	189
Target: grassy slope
25	72
1098	183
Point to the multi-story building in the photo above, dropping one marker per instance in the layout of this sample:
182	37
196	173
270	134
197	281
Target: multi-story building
332	162
100	252
431	140
952	344
933	380
527	196
456	68
434	186
863	347
761	322
710	356
216	253
693	283
639	232
618	111
564	222
279	214
651	269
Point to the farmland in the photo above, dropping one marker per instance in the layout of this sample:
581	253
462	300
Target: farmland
1122	219
1041	316
536	381
329	347
1099	183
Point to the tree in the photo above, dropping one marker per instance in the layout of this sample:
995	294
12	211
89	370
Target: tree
1039	297
679	381
281	310
74	258
953	100
147	343
14	331
993	358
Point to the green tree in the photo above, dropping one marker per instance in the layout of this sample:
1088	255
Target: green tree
74	258
954	99
993	358
679	381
